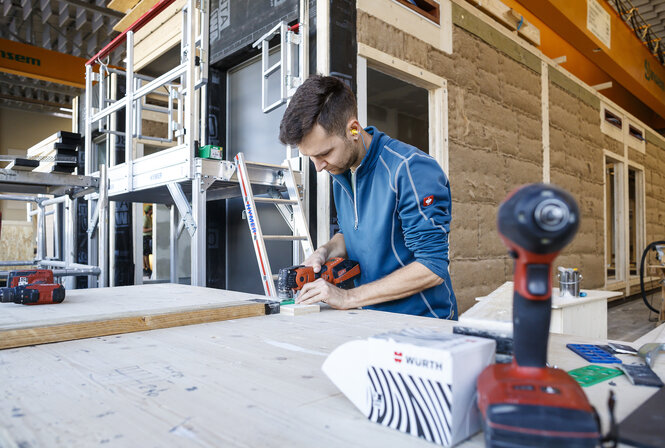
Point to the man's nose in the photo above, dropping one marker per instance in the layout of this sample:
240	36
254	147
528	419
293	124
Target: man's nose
319	165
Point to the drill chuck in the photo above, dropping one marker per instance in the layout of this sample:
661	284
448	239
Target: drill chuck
551	215
539	219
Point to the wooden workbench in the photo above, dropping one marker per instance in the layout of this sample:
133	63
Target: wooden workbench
247	382
579	316
104	311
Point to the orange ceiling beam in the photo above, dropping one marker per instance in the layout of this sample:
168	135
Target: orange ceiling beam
34	62
626	60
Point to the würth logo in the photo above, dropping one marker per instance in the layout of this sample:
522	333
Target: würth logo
398	356
429	200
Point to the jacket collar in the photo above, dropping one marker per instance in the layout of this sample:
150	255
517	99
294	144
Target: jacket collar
371	156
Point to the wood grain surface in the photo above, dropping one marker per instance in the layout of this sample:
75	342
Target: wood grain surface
246	382
105	311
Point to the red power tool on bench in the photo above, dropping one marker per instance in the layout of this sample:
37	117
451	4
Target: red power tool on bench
338	271
526	403
33	287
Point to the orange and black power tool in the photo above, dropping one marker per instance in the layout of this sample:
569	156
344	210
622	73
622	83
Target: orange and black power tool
32	287
526	403
338	271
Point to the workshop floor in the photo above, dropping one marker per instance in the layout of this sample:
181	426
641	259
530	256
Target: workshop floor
629	320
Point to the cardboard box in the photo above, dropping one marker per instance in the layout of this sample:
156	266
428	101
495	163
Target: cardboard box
420	382
211	152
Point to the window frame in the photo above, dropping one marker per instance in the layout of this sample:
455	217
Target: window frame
436	86
434	14
619	221
640	215
623	132
623	277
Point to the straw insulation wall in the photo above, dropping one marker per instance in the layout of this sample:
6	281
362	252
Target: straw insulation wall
654	167
496	144
577	164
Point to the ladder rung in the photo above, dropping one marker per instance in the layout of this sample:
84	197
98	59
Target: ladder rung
272	69
266	165
284	237
275	200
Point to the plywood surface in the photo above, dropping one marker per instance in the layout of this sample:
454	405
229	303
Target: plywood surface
104	311
122	5
247	382
655	335
134	14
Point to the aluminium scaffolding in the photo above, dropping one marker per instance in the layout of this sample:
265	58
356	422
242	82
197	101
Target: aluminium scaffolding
47	189
174	176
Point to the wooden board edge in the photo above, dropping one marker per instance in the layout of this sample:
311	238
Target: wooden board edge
134	14
122	6
297	310
90	329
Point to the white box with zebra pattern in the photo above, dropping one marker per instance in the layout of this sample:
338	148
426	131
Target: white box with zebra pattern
420	382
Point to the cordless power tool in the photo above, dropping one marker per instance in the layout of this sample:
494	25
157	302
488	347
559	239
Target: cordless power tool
338	271
525	403
29	277
32	287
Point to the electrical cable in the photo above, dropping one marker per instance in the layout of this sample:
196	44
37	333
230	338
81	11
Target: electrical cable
644	255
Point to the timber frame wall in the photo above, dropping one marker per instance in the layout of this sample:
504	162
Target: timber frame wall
512	116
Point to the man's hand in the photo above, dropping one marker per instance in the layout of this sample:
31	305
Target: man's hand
333	248
317	259
323	291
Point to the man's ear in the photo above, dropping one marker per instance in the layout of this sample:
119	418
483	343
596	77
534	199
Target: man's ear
354	128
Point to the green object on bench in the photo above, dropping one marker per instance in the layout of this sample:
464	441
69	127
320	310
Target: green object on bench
592	374
211	152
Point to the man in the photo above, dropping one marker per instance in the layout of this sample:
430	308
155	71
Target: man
147	240
393	207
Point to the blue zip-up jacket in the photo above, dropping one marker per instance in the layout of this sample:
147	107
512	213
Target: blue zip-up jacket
400	214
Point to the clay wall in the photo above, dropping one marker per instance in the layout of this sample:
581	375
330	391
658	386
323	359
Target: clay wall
495	143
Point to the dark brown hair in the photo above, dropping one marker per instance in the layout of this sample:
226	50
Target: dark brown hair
325	100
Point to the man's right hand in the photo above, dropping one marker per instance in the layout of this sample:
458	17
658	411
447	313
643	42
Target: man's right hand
317	259
333	248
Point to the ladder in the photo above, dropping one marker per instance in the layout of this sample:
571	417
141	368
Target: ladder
291	209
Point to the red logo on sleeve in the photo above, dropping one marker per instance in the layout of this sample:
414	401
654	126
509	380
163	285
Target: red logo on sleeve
429	200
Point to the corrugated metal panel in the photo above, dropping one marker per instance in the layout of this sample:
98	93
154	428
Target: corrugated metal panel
77	27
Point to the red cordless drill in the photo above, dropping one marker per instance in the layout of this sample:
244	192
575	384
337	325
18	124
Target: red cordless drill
338	271
526	403
34	287
29	277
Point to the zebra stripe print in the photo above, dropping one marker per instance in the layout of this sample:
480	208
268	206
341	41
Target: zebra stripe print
413	405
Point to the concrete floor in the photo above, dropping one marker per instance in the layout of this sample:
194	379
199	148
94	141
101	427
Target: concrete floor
628	320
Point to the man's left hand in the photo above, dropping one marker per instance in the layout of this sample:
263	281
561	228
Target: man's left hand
323	291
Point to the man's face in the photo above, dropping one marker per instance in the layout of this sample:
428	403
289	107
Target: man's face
329	152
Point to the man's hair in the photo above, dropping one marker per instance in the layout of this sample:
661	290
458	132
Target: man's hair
320	99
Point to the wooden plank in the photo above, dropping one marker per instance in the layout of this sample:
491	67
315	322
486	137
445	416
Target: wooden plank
247	382
580	316
136	12
158	36
509	18
122	5
105	311
297	310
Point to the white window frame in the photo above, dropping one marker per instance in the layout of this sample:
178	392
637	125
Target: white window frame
439	35
624	280
640	214
634	142
620	220
622	134
434	84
